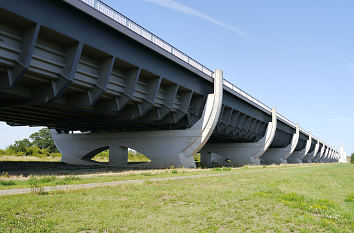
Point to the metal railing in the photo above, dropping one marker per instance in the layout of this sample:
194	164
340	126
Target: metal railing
126	22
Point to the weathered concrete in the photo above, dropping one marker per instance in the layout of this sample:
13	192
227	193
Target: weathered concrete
164	148
238	154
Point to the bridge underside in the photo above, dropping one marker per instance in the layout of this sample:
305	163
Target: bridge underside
74	73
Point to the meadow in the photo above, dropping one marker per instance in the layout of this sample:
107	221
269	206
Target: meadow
298	198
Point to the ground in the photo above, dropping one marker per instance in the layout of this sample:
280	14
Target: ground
296	198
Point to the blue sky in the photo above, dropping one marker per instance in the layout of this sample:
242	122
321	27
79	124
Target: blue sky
295	55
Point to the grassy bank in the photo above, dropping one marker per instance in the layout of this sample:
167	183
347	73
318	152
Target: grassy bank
283	199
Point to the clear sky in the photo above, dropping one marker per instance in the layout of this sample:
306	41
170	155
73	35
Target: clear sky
295	55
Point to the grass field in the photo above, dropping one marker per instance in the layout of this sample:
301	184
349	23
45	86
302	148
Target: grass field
15	182
317	198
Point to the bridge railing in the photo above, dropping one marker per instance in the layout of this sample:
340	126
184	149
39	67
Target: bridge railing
126	22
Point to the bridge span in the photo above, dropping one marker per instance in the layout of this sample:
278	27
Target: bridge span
80	66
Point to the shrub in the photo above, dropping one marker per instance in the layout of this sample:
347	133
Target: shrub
37	152
2	152
352	158
20	146
7	182
137	156
40	144
197	157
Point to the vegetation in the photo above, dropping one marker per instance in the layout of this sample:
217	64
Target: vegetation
9	182
39	144
133	156
315	198
352	158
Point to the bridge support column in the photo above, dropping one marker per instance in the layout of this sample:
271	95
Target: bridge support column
165	148
324	156
318	155
310	156
238	154
297	156
280	155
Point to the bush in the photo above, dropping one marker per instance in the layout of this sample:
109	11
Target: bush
20	146
352	158
37	152
137	156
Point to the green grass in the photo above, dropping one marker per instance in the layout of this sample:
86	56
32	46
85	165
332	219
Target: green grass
39	181
283	199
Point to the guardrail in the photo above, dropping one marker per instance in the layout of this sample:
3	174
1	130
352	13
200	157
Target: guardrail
126	22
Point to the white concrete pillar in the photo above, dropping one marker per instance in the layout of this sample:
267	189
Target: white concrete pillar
342	155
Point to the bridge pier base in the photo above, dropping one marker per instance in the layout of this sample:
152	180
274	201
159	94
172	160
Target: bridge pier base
238	154
280	155
275	156
310	156
318	155
324	157
297	156
165	148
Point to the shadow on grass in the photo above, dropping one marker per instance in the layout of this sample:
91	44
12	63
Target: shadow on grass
29	168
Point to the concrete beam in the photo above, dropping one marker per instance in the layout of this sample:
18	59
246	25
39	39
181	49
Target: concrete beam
238	154
15	74
280	155
297	156
165	148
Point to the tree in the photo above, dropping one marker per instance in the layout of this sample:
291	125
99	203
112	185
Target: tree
352	158
43	139
20	146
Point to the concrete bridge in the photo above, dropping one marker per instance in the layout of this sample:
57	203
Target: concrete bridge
100	81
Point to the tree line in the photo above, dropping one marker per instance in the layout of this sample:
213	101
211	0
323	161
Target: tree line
39	144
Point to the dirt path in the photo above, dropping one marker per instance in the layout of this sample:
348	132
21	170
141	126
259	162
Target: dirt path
101	184
140	181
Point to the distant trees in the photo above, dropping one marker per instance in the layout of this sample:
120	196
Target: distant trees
39	144
43	139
